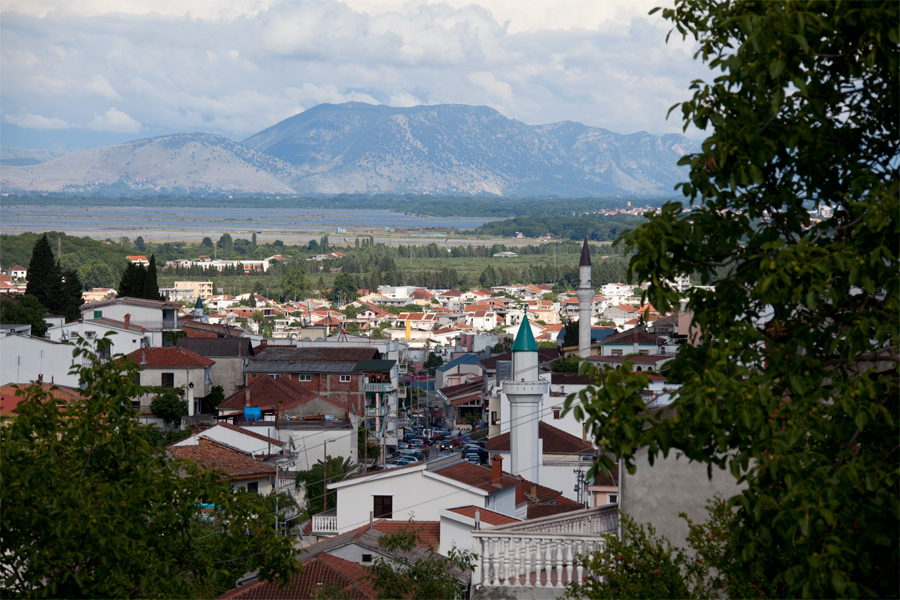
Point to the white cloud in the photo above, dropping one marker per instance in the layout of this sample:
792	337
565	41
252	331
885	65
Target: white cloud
100	86
114	121
234	67
30	121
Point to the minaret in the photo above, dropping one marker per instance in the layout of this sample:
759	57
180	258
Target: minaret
198	311
525	392
585	295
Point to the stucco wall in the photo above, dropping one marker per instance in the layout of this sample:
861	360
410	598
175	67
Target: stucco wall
657	494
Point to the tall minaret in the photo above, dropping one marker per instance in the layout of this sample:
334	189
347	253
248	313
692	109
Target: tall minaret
585	294
525	392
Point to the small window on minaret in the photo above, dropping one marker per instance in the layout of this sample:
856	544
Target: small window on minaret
556	412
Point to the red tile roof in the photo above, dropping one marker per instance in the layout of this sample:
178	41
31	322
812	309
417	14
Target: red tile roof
536	511
169	357
475	476
485	516
556	441
60	394
268	392
320	574
213	455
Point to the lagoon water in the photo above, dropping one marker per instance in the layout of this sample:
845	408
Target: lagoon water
197	222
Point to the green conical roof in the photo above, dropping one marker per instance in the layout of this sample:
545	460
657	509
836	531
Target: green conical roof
198	304
525	339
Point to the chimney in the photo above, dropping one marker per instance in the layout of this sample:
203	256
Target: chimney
247	397
497	470
40	378
127	320
520	493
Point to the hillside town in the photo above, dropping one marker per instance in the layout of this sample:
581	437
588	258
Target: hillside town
460	396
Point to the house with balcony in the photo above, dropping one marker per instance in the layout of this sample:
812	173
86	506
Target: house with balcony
158	318
438	484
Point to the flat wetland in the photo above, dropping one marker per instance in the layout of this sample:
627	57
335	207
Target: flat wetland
193	224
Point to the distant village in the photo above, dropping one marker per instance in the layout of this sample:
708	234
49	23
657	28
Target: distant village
461	403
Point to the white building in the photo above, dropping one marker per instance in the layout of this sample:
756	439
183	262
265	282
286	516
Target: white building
157	317
24	359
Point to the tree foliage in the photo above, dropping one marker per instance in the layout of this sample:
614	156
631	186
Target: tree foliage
793	386
294	283
24	310
92	510
641	564
338	469
169	405
406	575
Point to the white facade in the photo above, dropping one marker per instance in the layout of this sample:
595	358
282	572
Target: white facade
157	317
416	493
309	444
182	377
24	359
122	341
236	439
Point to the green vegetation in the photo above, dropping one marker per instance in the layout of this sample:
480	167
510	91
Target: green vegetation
169	404
600	228
55	287
337	468
430	576
794	387
643	565
24	310
93	509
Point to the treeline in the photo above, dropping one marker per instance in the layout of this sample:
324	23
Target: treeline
433	206
599	228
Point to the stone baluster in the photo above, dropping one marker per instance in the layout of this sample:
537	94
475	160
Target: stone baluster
569	560
538	561
504	561
560	550
518	561
579	570
495	561
548	562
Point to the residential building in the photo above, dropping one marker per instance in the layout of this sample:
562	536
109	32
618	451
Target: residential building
24	358
158	318
172	368
121	337
231	355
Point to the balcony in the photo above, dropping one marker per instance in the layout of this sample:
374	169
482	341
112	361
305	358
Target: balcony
381	388
541	553
376	412
325	523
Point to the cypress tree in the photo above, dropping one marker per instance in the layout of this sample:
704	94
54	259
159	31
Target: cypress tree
126	284
150	289
43	274
137	287
71	298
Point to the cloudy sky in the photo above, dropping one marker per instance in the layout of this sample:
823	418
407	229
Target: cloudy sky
84	73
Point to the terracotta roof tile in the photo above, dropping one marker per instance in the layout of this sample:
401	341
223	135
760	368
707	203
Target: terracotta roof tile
268	392
169	357
61	394
318	572
475	476
556	441
213	455
486	516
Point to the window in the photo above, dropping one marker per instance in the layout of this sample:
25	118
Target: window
168	380
643	352
345	379
253	486
556	412
275	375
615	353
612	498
304	377
383	507
367	558
494	418
98	314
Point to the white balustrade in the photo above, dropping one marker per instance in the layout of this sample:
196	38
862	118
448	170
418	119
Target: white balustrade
542	553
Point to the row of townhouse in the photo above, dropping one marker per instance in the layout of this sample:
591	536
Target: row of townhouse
206	263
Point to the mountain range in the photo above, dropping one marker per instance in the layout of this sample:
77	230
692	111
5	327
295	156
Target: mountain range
362	148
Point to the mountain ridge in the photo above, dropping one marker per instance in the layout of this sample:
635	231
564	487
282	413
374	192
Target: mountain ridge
355	147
